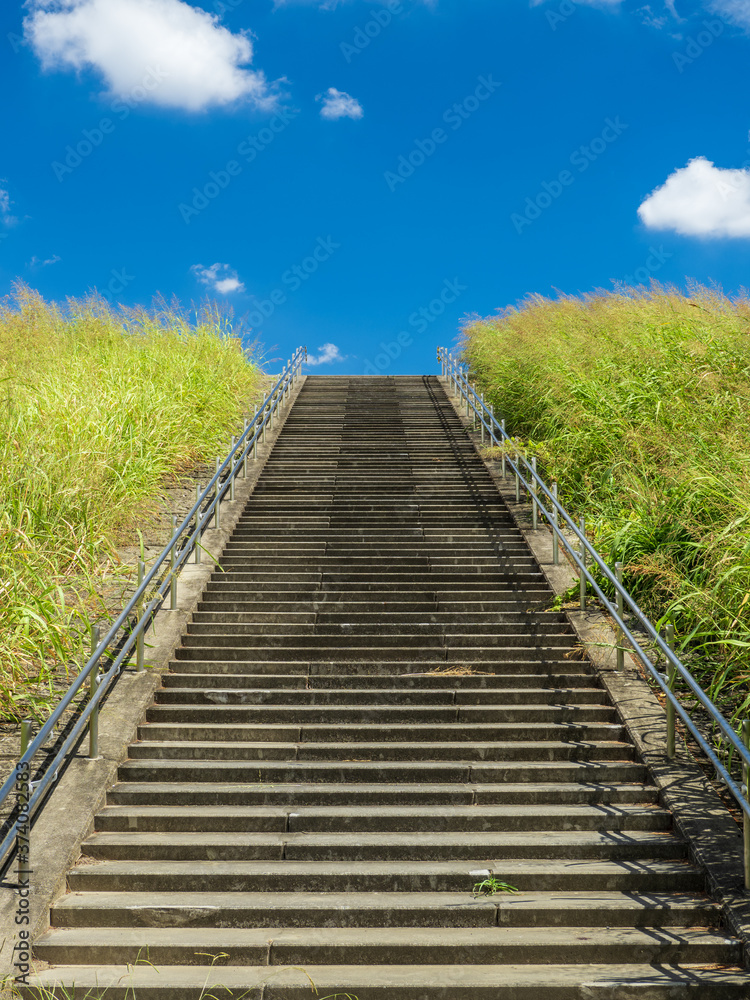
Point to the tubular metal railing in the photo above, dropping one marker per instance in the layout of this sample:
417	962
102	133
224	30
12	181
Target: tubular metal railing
126	638
589	564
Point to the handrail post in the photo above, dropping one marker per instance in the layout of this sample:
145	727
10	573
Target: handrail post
172	566
745	818
244	460
583	566
140	640
619	634
534	501
217	505
671	677
198	519
481	418
23	793
263	411
232	467
555	538
93	688
26	730
518	481
502	445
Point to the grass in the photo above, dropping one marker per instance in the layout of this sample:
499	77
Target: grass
491	885
638	404
217	992
98	409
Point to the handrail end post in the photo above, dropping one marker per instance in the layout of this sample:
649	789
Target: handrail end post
582	570
140	639
671	677
620	613
745	817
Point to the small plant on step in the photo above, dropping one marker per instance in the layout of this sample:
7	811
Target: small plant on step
491	885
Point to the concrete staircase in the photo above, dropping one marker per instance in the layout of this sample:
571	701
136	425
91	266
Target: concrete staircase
373	709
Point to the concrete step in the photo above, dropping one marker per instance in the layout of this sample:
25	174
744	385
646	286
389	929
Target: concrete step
425	845
371	819
381	667
609	764
382	751
461	735
387	946
412	632
394	672
633	981
228	707
445	679
383	697
390	909
344	639
320	793
529	875
387	618
344	653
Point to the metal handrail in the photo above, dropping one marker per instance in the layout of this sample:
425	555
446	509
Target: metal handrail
185	540
527	476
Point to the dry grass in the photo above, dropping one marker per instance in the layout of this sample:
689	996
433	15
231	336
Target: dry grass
638	404
98	409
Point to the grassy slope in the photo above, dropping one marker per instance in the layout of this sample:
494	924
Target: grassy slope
96	410
639	405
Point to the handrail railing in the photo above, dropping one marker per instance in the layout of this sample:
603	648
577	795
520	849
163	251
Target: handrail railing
185	540
586	556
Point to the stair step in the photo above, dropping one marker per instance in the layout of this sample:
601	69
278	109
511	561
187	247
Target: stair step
391	909
321	793
424	845
487	818
386	946
635	981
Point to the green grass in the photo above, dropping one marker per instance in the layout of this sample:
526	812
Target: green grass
638	404
97	410
490	886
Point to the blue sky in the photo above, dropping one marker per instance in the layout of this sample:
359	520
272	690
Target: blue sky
361	176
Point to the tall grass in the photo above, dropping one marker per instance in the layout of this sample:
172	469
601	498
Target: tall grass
638	404
97	409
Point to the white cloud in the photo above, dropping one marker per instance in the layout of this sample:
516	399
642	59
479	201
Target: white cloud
219	277
163	51
6	216
733	10
338	104
588	3
701	199
335	4
40	262
328	353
